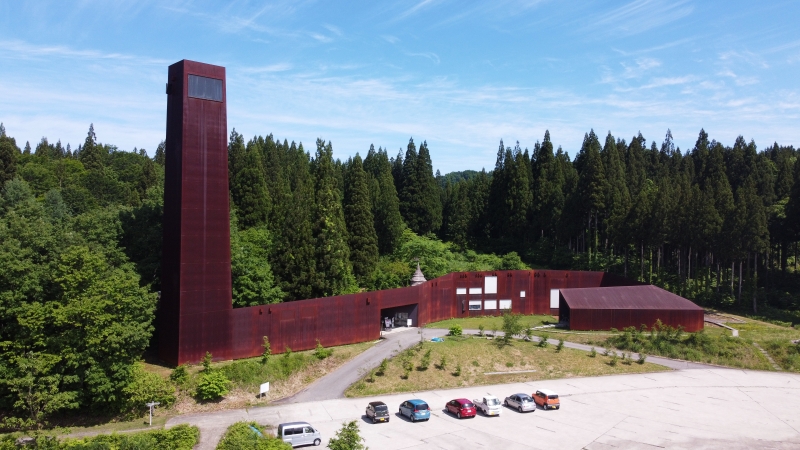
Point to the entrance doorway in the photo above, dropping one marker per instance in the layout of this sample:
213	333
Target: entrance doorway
399	316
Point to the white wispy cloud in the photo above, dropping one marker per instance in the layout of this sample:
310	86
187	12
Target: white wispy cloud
430	55
16	49
639	16
415	9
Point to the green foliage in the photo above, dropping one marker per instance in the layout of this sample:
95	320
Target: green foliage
425	362
442	363
179	437
212	385
543	341
642	358
252	279
560	345
358	216
456	330
385	203
250	373
320	352
147	387
457	372
512	326
179	375
384	365
592	353
242	436
613	361
207	360
481	328
347	438
267	351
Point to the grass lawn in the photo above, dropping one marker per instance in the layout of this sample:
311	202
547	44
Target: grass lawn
493	322
476	356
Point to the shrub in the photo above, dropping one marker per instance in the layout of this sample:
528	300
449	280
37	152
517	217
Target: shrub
457	372
642	358
528	333
509	364
481	328
207	362
384	365
543	341
512	326
180	437
320	352
475	363
212	385
613	361
347	438
592	353
147	387
267	351
456	330
560	345
179	375
443	363
426	360
243	435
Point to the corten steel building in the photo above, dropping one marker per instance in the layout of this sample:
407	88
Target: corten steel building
195	307
626	306
195	312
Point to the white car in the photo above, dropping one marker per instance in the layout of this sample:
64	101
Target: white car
520	402
489	405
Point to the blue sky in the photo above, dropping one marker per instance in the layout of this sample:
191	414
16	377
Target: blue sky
460	75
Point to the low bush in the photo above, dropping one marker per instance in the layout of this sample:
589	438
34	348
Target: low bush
250	435
426	361
147	387
456	330
321	352
543	341
347	438
442	363
382	367
560	345
179	375
481	329
592	353
181	437
212	385
457	372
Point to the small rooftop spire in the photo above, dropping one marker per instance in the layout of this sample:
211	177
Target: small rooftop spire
418	277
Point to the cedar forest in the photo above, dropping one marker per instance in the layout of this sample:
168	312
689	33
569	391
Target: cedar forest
81	238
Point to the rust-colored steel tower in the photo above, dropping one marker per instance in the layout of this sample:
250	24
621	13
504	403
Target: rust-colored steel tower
195	307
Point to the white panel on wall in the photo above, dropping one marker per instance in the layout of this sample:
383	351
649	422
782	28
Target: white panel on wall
505	304
522	294
490	285
461	291
475	305
490	304
554	298
474	290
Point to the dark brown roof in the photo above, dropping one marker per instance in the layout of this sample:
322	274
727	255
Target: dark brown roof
625	297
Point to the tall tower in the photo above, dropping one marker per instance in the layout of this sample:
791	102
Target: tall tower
195	309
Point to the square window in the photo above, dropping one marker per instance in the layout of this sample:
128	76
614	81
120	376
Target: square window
505	304
475	305
490	285
522	294
490	304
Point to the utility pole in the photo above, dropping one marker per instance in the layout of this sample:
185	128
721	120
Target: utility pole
151	405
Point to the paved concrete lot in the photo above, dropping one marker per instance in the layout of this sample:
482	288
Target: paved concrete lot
701	408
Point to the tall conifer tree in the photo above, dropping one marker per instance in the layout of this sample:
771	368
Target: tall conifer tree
385	204
360	222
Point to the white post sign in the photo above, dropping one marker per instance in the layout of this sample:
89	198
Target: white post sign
264	388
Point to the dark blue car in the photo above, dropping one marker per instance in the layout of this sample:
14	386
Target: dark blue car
415	410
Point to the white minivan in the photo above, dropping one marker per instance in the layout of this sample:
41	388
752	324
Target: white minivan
299	433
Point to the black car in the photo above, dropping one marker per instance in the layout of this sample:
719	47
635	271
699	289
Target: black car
378	412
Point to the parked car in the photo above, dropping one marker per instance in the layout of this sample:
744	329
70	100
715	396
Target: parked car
547	399
520	402
378	412
415	410
461	407
489	405
299	433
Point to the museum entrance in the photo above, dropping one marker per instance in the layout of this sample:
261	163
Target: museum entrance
399	316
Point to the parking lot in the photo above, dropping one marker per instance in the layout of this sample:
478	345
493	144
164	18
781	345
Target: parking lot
701	408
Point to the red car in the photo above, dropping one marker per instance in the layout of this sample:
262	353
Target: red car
462	407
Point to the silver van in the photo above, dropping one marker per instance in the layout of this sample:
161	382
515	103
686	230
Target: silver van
299	433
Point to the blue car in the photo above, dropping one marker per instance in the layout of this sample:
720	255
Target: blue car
415	410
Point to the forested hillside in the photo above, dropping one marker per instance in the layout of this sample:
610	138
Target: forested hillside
80	234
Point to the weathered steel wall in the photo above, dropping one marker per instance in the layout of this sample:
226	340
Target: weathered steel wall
353	318
195	308
605	319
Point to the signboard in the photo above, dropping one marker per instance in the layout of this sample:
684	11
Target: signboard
264	388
